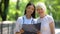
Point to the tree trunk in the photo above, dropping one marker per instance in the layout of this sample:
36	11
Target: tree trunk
1	8
17	7
6	4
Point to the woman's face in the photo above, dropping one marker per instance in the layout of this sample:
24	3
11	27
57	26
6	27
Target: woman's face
29	9
40	10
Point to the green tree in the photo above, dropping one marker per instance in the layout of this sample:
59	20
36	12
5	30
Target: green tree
3	12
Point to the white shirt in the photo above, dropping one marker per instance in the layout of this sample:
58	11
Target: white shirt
19	23
45	21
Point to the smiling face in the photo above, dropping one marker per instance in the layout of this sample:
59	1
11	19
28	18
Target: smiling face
40	10
30	9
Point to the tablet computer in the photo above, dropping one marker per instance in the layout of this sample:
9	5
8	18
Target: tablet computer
32	27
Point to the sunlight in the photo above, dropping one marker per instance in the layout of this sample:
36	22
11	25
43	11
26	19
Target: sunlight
57	31
25	1
0	0
13	0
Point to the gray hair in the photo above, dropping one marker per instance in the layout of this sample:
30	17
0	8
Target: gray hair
41	5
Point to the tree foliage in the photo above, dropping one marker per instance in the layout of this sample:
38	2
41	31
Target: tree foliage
17	8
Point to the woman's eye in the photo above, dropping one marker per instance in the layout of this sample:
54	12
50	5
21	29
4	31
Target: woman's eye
39	9
32	9
28	7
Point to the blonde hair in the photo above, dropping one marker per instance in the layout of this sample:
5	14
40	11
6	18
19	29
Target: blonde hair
41	5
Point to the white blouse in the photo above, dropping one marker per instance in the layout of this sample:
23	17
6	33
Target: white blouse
45	29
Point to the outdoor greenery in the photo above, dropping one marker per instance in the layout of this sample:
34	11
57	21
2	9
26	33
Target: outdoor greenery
16	8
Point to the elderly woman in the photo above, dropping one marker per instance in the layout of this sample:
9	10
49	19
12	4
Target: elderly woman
47	22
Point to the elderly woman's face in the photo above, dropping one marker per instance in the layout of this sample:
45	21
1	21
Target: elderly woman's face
39	10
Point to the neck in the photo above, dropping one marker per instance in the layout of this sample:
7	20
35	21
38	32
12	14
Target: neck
42	15
28	16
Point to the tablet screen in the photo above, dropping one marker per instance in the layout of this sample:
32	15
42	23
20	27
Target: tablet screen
32	27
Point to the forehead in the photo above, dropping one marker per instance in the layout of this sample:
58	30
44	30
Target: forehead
38	7
30	6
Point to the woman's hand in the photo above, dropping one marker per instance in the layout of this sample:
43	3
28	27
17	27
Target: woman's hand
17	33
21	31
38	32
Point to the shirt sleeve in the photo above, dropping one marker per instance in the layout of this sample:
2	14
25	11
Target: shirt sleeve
18	25
50	18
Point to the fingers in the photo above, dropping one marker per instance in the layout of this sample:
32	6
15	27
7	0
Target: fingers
22	31
18	33
38	32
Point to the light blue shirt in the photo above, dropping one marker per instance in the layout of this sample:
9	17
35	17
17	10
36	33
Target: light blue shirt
19	22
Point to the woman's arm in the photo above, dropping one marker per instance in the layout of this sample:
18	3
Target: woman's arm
52	28
18	26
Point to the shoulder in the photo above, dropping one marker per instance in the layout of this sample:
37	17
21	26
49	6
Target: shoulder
34	20
38	20
50	18
19	20
20	17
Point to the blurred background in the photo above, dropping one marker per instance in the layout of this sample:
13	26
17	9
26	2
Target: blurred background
10	10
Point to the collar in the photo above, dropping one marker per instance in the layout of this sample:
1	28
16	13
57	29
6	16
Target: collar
26	18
